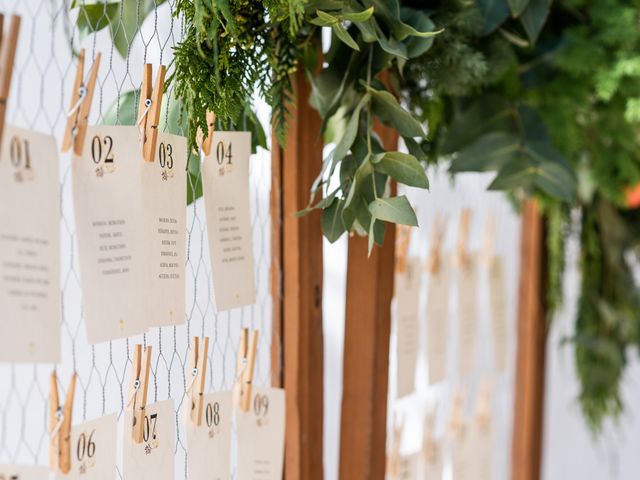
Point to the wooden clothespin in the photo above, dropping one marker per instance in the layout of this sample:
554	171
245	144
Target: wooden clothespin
8	46
462	254
393	460
429	445
489	239
198	363
139	389
244	369
60	426
78	114
456	420
437	237
403	239
205	143
149	110
483	404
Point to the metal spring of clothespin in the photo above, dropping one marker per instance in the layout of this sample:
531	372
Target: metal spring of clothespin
198	365
138	391
149	110
8	46
80	106
60	425
435	256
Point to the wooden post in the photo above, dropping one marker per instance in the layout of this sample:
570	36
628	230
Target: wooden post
366	352
530	360
297	275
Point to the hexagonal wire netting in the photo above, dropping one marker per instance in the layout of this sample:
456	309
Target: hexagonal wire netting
45	66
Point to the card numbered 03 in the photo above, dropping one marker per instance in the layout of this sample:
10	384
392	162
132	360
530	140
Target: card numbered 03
225	185
29	247
23	472
93	450
153	458
261	436
209	445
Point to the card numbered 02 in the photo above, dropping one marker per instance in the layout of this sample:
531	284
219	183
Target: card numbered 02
261	436
23	472
29	247
153	458
225	186
93	450
209	445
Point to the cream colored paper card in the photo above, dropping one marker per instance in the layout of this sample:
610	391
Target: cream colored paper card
481	450
209	445
109	224
407	467
433	462
93	450
438	322
498	305
29	247
164	190
225	184
467	315
261	436
407	303
462	467
153	459
23	472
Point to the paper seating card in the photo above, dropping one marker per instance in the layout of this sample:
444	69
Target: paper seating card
261	436
209	445
29	247
433	461
93	450
467	315
462	456
498	305
407	467
153	459
225	185
164	190
407	300
481	450
23	472
438	322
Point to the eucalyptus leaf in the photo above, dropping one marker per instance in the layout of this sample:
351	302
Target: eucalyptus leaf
394	209
534	17
490	152
332	224
368	30
517	6
350	132
125	26
556	181
515	175
358	16
386	106
344	36
493	12
402	167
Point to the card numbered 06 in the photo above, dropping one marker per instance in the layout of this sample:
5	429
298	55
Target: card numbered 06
261	436
29	247
131	224
225	185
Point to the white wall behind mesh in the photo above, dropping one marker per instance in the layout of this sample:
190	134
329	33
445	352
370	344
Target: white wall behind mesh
41	89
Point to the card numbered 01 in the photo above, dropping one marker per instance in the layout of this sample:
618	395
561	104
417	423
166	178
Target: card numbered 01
153	458
23	472
93	450
29	247
261	436
225	185
209	445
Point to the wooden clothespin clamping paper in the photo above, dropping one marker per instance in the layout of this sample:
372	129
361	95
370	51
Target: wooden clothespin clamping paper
138	390
149	110
78	114
463	259
205	142
198	364
60	426
8	46
456	420
489	239
245	367
435	255
403	239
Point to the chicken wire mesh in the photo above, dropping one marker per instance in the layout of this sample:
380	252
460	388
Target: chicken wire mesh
132	32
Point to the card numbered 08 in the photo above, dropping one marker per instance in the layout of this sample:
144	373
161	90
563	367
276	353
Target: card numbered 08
29	247
261	436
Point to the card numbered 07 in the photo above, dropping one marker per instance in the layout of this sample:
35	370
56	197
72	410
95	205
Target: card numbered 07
29	247
225	185
23	472
261	436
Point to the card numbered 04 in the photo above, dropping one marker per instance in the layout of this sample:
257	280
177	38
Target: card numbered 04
261	436
23	472
29	247
209	445
225	185
93	450
153	458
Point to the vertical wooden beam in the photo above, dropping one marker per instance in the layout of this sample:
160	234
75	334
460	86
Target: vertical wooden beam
299	247
366	352
530	360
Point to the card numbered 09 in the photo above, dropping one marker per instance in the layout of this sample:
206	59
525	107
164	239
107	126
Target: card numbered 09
23	472
261	436
29	247
225	185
